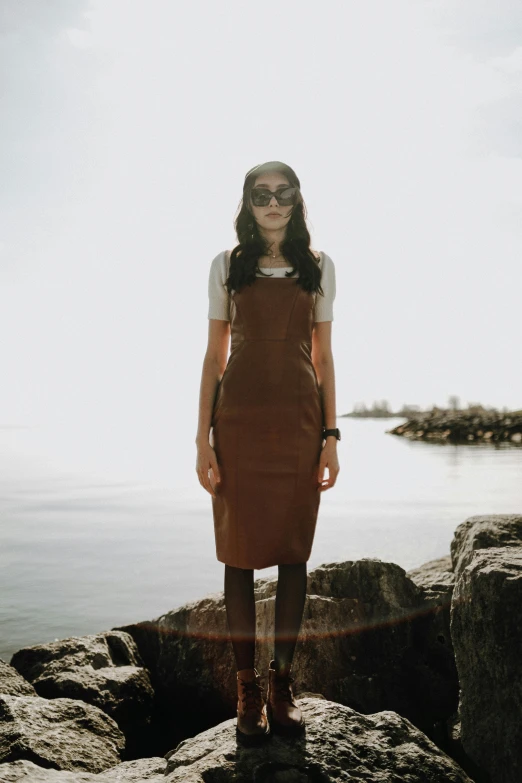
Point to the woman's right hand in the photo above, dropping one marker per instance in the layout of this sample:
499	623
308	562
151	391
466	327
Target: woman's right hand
206	461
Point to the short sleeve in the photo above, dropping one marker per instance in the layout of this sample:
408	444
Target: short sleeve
324	304
218	297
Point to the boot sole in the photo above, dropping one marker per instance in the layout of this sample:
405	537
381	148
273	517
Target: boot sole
250	740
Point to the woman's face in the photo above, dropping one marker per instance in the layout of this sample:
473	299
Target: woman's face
272	181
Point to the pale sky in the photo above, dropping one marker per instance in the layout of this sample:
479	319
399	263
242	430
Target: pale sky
126	130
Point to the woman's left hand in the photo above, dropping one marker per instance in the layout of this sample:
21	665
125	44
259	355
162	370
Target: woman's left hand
328	459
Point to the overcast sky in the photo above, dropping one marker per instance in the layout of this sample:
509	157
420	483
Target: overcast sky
126	130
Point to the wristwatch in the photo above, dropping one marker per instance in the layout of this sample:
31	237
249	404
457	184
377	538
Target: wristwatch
336	432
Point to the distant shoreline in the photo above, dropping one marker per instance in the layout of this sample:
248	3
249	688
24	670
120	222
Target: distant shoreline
459	426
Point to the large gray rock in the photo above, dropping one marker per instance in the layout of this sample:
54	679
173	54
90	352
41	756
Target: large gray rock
30	772
12	683
486	626
482	532
339	745
59	733
105	670
151	770
435	578
370	639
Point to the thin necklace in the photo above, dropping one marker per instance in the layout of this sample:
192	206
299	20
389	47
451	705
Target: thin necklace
273	255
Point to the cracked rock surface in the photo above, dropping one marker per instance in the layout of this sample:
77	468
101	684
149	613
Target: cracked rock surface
59	733
339	745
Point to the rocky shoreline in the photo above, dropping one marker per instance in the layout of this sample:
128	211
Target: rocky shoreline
401	676
449	426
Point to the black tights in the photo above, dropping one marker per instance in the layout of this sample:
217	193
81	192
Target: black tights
241	613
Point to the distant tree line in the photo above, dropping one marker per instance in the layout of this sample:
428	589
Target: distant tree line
381	409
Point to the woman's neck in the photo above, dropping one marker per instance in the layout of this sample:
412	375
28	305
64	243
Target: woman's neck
274	240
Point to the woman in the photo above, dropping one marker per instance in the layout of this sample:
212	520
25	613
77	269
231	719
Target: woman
272	412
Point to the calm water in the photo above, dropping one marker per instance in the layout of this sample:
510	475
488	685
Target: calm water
79	556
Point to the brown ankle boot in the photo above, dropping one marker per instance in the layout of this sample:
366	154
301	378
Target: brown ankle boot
284	714
252	719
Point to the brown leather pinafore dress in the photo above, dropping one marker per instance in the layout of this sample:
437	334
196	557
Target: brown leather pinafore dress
267	420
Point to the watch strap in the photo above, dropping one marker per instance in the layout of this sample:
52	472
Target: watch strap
336	432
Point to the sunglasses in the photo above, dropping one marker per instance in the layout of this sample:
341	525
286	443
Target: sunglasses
285	196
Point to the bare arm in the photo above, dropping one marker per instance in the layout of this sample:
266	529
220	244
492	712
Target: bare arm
214	364
322	359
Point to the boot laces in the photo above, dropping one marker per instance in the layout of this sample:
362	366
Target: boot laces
252	694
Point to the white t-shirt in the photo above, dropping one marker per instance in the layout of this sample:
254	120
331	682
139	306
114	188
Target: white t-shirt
219	299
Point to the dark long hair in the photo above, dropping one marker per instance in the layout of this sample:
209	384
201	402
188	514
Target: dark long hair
295	247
